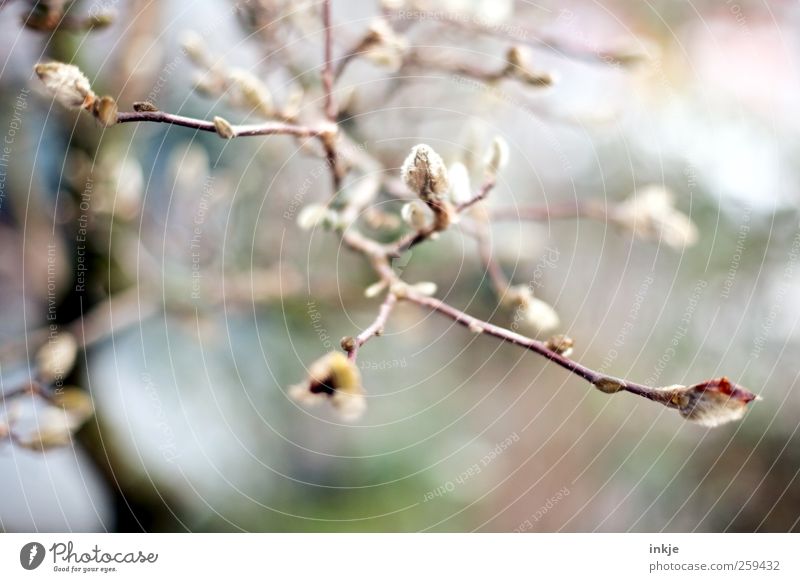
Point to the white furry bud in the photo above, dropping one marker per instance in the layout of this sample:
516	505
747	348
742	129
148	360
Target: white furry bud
425	288
460	187
424	173
413	213
315	215
651	215
496	156
253	93
56	358
532	311
66	83
374	289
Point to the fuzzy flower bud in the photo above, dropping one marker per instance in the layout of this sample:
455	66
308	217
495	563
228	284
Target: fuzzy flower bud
426	288
144	106
560	344
496	157
336	378
379	32
460	187
425	174
76	404
316	215
414	215
224	128
253	93
293	104
194	47
66	83
383	45
56	358
609	385
55	425
531	311
375	289
105	110
712	402
651	215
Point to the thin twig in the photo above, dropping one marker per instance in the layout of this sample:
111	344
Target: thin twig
331	109
561	211
414	60
33	387
268	128
346	59
484	191
327	67
475	324
536	39
374	329
412	239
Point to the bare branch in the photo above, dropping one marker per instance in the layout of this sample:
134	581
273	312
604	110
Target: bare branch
565	210
674	396
269	128
352	344
484	191
327	67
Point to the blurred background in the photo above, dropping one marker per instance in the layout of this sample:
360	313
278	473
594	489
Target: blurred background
221	301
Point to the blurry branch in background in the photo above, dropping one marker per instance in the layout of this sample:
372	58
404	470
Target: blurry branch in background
436	198
426	10
49	15
649	213
516	67
53	412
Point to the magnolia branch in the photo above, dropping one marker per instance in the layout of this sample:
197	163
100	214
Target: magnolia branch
352	344
562	210
434	210
327	68
331	110
269	128
476	325
484	191
535	38
710	402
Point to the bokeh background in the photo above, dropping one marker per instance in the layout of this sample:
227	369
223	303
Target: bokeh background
229	301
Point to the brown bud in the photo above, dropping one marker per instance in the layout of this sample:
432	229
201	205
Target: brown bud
425	174
224	128
105	110
348	343
144	106
712	402
560	344
609	385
